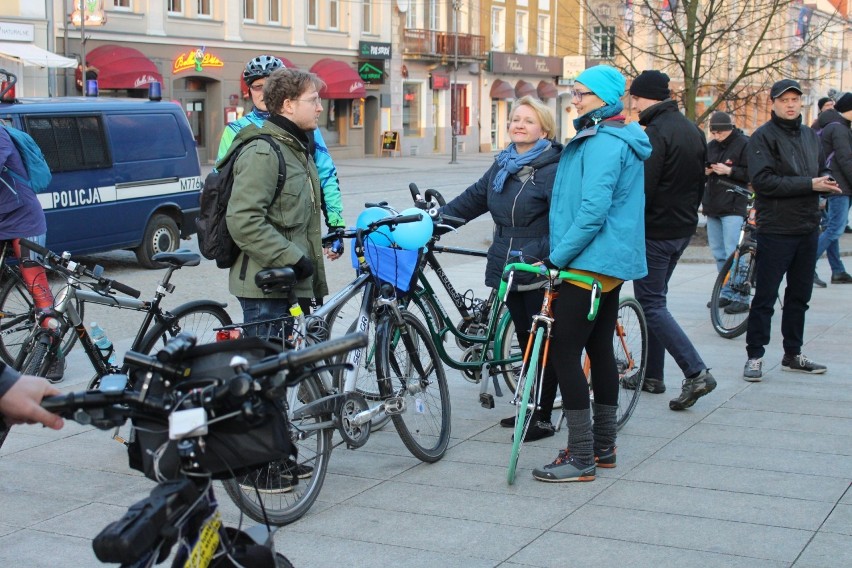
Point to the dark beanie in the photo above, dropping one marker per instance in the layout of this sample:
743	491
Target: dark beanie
721	121
651	85
822	101
844	103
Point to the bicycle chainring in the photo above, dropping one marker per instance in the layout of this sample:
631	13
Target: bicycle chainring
472	353
353	435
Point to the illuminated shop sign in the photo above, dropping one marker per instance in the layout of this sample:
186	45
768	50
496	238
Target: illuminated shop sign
197	59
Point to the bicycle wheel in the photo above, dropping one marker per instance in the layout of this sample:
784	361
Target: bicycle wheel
630	345
314	451
409	368
738	277
17	318
36	361
524	412
510	348
198	318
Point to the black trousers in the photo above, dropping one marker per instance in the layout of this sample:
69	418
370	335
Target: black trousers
777	256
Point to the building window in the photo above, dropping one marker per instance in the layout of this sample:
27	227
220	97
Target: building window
126	4
313	15
413	17
175	6
434	22
521	32
248	11
411	109
543	35
498	25
367	16
333	14
274	12
204	8
603	42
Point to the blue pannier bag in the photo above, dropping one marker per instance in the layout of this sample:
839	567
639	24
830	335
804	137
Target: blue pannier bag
37	169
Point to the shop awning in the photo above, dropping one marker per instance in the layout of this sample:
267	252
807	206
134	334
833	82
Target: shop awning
500	89
547	90
121	67
34	56
523	89
341	80
245	90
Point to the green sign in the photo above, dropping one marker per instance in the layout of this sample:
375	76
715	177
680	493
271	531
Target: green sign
374	50
372	72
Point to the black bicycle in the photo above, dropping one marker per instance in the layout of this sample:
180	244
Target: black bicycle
200	413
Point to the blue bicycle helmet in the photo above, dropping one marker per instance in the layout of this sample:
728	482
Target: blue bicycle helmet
261	66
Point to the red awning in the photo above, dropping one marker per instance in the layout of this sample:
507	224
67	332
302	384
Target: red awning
244	90
121	68
341	80
502	90
547	90
523	89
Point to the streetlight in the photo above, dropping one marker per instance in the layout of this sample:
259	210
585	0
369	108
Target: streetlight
453	94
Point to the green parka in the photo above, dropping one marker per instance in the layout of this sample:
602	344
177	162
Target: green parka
272	235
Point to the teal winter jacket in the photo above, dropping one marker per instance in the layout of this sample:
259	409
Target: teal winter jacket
597	212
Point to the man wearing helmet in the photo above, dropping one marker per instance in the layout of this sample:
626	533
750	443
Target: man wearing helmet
254	75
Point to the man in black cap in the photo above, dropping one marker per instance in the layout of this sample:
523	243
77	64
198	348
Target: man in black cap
788	173
674	183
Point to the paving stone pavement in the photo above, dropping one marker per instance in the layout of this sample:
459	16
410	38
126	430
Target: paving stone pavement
754	475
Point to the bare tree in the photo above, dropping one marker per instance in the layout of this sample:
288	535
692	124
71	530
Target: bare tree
724	53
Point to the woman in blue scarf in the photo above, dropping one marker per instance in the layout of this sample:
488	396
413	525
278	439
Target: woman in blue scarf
516	190
597	228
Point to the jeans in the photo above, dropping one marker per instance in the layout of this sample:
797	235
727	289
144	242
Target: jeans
837	211
665	333
723	234
780	255
261	309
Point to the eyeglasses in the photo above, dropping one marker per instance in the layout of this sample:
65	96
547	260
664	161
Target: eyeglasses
257	88
316	101
580	94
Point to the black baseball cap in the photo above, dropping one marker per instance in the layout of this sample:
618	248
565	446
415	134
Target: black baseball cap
782	86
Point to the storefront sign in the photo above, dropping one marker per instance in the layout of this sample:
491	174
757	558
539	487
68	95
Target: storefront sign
16	32
439	81
515	63
374	50
197	59
371	72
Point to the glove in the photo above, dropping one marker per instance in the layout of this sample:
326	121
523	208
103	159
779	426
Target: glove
336	245
303	269
549	264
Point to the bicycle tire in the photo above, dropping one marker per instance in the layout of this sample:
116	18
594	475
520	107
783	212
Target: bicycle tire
17	318
630	345
36	361
725	324
313	451
424	424
200	318
522	418
510	348
281	561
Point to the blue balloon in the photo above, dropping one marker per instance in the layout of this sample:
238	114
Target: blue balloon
382	236
412	236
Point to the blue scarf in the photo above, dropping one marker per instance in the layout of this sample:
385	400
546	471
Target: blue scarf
511	162
592	118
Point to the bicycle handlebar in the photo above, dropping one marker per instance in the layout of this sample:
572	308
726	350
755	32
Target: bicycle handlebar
390	220
72	268
542	270
738	189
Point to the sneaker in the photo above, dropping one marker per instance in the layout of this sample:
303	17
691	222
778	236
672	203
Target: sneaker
539	430
841	278
736	308
56	371
722	302
269	479
653	386
565	468
302	471
801	364
692	390
753	371
819	283
604	457
508	422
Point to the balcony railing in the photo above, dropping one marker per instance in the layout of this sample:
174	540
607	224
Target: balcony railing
441	45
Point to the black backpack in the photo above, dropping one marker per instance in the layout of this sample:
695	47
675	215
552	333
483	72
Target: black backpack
214	240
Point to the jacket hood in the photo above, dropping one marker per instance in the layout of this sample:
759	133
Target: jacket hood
631	133
826	117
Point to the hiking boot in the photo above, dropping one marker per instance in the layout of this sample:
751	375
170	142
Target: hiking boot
736	308
841	278
801	364
819	283
604	457
56	371
565	468
692	390
653	386
753	371
723	302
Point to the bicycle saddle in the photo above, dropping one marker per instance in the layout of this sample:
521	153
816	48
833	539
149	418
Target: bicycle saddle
276	279
180	257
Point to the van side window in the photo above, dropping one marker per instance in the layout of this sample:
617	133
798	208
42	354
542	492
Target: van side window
70	143
135	132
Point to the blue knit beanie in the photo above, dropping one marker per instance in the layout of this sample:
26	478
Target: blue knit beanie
605	82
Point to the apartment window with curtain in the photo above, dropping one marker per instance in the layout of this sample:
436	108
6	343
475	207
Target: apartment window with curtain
498	34
521	32
127	4
248	11
333	14
543	35
205	7
313	13
603	42
274	16
367	16
175	7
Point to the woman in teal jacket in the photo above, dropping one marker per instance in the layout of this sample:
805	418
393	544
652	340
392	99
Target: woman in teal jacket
596	228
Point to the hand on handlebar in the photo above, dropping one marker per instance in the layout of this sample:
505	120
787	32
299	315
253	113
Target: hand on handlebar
334	249
21	403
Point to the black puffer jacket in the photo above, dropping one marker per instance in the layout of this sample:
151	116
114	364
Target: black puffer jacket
674	174
520	213
783	158
718	201
836	138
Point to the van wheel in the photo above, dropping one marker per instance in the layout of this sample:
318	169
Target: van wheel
161	235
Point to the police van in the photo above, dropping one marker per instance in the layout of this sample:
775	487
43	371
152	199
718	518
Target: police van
125	172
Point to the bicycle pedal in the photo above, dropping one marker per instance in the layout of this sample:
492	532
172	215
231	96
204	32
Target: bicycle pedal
394	405
486	400
118	438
